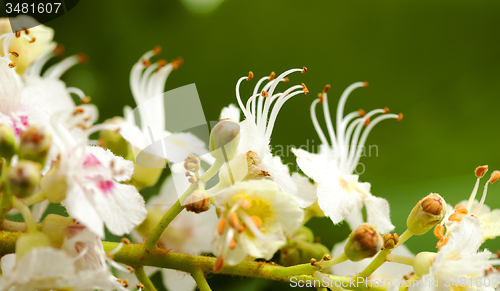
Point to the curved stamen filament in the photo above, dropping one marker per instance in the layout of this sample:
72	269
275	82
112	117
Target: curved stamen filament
280	78
483	198
262	125
238	97
256	93
316	123
77	92
473	195
276	110
340	113
365	135
328	121
354	143
58	69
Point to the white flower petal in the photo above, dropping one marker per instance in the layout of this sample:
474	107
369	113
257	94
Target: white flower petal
306	192
231	112
122	209
377	210
80	208
177	281
122	169
313	165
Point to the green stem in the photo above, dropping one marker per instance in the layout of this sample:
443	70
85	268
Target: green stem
178	206
200	279
144	279
35	198
400	259
381	257
26	213
5	204
137	255
337	260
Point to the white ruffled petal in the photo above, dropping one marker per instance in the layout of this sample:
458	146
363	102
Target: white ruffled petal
177	281
306	192
378	213
121	209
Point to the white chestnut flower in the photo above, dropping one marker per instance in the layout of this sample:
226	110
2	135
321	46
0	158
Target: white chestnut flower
87	180
489	219
38	42
253	157
340	194
255	216
80	264
458	261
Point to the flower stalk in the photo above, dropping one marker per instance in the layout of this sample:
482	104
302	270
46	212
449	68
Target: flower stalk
144	279
179	205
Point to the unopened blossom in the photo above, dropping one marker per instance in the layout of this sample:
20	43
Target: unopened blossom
339	192
187	233
30	49
254	158
79	264
489	219
254	217
87	180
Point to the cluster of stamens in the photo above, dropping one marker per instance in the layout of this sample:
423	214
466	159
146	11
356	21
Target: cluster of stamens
461	211
348	139
236	222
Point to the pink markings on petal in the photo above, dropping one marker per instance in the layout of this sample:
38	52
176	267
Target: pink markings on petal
106	186
91	161
74	229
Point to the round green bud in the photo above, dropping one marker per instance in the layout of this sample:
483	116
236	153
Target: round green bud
224	139
113	140
363	242
23	179
426	214
26	242
35	144
8	147
423	261
54	184
55	227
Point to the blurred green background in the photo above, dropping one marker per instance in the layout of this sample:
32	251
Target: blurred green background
438	62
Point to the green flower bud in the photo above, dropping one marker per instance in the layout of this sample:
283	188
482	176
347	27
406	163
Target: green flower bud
198	201
35	144
54	184
113	140
304	234
146	176
23	179
55	228
426	214
8	147
364	242
224	139
423	261
26	242
302	253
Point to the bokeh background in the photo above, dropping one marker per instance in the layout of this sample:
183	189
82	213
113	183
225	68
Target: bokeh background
438	62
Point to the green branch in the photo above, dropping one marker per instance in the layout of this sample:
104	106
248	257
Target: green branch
137	255
200	279
144	279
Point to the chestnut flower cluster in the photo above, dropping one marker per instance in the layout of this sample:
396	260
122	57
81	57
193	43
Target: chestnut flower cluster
253	209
